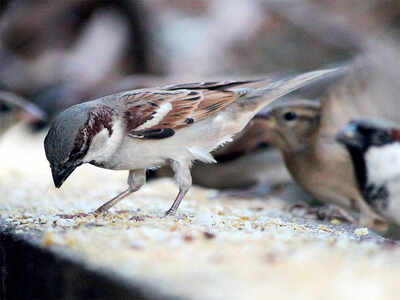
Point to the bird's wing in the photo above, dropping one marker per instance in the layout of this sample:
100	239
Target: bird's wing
157	113
368	90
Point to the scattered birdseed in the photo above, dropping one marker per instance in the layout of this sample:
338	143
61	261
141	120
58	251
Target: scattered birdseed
214	248
361	231
65	222
209	235
325	228
335	221
188	238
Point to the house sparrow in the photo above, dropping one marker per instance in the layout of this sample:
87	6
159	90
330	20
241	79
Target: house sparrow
14	108
147	128
374	147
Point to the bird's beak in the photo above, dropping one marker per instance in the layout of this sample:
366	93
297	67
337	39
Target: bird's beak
61	174
350	136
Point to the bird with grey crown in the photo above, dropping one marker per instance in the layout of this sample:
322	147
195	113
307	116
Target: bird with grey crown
144	129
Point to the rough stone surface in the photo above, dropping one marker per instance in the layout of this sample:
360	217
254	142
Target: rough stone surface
215	248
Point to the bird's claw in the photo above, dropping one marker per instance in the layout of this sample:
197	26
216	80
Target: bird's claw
325	212
330	212
170	212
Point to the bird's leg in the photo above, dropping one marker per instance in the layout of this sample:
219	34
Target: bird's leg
136	180
184	181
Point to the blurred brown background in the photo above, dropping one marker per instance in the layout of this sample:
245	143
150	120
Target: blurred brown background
60	52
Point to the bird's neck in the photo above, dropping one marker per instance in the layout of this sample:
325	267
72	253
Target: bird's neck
299	146
299	160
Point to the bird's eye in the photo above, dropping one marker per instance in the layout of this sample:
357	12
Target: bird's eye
289	116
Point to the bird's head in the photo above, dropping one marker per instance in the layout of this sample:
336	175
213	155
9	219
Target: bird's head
374	148
361	135
292	123
72	135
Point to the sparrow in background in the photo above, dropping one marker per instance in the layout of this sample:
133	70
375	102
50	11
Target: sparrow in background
144	129
14	108
306	132
313	157
374	147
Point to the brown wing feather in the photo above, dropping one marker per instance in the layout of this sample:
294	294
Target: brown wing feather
215	85
187	104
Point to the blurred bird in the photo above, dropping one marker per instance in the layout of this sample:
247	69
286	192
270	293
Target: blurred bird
144	129
374	147
316	162
306	132
52	58
14	108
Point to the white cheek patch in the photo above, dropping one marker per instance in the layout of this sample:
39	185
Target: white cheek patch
383	163
161	112
103	146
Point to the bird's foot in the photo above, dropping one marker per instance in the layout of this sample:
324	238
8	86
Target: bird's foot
331	212
328	212
375	223
170	212
101	210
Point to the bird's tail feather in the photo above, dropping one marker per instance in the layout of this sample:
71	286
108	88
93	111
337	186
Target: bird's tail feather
263	96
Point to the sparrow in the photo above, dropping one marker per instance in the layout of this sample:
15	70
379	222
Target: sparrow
14	108
313	157
147	128
305	132
374	147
